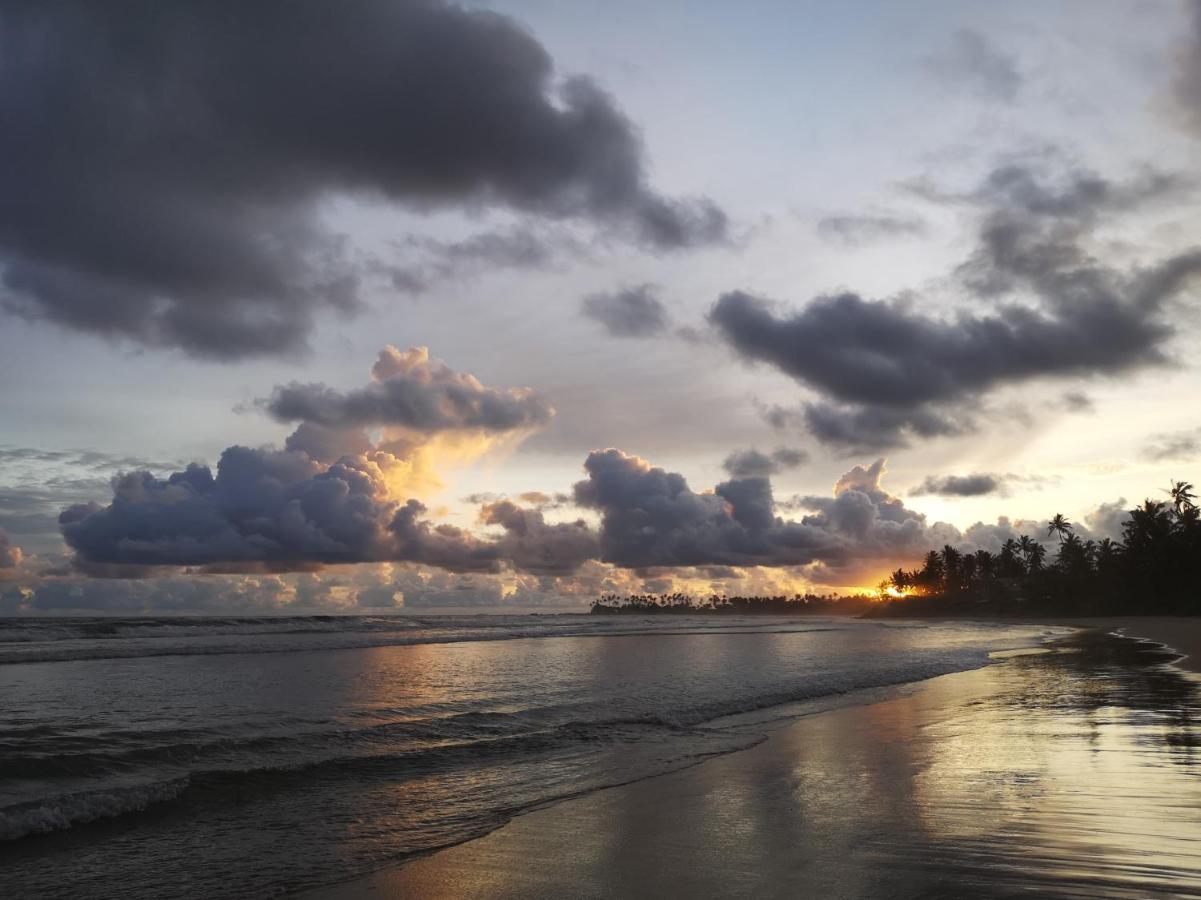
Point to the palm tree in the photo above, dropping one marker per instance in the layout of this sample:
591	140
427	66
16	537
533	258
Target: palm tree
1060	526
1031	551
932	571
1148	523
1106	555
1037	554
1008	564
1182	496
952	574
1073	555
986	564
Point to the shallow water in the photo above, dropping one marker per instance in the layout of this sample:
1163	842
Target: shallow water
1071	773
244	757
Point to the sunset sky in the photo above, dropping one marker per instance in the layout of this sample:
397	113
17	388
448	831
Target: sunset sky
509	304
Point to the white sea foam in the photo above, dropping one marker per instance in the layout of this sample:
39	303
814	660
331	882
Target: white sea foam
64	811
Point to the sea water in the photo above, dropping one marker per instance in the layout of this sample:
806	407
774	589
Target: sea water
239	757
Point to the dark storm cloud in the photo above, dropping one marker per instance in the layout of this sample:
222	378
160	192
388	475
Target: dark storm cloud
269	510
531	544
409	390
856	230
884	354
630	312
753	463
976	484
651	518
323	442
165	163
873	427
972	62
10	553
886	370
261	506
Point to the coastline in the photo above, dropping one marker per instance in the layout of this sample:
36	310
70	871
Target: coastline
701	831
1179	634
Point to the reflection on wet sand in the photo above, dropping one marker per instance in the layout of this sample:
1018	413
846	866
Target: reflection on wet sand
1069	773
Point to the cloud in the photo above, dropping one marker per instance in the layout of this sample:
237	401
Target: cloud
630	312
206	143
883	354
528	543
976	484
1077	402
1034	230
10	553
412	391
1105	521
279	510
269	512
428	261
1174	445
90	459
1187	84
333	494
872	427
972	62
752	463
531	544
651	518
886	371
536	499
856	230
37	483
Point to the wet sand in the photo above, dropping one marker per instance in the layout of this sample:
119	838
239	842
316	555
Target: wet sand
1180	633
1069	773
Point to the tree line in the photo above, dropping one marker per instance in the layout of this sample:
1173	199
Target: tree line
797	604
1154	568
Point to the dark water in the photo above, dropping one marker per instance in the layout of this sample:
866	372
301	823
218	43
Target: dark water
247	757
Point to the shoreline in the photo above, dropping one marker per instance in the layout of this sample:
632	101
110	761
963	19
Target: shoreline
489	865
818	808
1177	634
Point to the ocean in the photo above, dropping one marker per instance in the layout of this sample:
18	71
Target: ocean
250	757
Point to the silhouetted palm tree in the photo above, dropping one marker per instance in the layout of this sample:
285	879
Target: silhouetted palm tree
1037	554
1032	551
1060	526
1008	564
1182	496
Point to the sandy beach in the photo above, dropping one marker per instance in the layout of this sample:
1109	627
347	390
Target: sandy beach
1055	773
1179	633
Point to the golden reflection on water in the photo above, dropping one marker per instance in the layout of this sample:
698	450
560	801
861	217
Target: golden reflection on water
1071	773
1074	773
1094	780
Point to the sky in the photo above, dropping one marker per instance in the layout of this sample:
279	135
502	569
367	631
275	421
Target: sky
369	306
